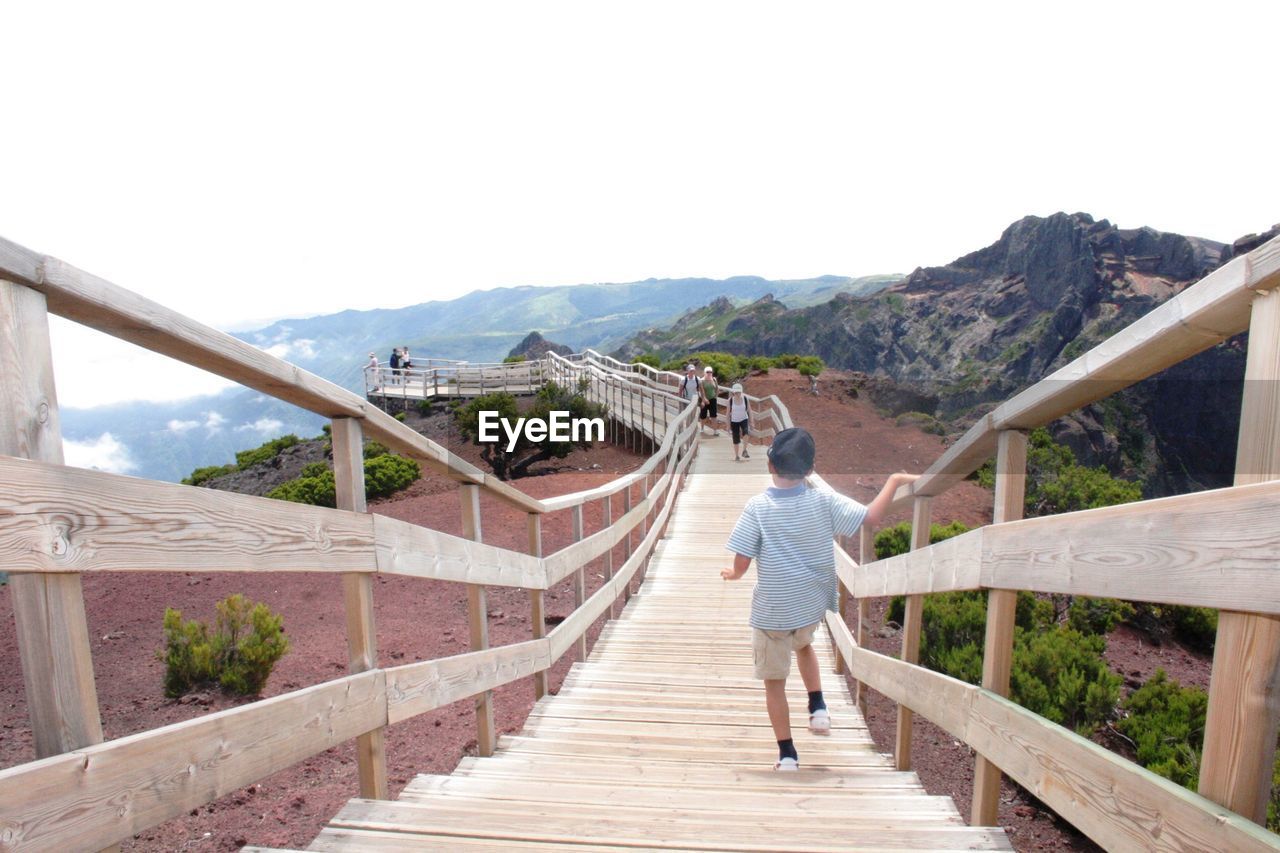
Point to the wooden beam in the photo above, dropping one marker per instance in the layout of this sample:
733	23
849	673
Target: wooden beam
911	627
52	631
478	623
1118	804
537	603
357	588
606	510
407	549
866	556
108	792
1244	689
997	656
416	688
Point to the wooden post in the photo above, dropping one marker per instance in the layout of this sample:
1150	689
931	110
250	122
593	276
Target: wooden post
357	587
579	583
478	620
866	554
626	542
537	603
606	506
1244	689
843	594
997	655
48	609
920	518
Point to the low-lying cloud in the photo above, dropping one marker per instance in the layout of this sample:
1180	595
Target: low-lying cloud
104	453
266	426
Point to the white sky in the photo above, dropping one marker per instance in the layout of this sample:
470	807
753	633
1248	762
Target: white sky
241	161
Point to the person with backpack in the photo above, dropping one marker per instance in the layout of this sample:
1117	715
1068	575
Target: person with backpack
739	422
690	388
710	401
394	362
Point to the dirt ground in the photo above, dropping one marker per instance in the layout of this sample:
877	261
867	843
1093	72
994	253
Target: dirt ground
421	620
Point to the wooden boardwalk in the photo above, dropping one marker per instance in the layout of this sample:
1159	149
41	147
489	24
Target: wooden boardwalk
661	740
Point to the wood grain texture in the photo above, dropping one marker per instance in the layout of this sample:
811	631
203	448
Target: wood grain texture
912	624
49	618
997	655
416	688
1116	803
1244	690
57	519
406	549
105	793
537	603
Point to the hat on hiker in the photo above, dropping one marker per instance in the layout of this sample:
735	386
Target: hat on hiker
706	369
689	367
737	388
792	453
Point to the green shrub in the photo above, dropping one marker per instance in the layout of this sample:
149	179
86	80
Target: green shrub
810	365
384	475
265	452
513	359
891	541
314	469
374	448
650	358
1061	675
400	416
758	363
200	476
320	490
1165	721
1097	615
239	654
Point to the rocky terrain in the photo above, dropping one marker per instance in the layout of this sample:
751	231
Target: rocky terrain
536	346
962	337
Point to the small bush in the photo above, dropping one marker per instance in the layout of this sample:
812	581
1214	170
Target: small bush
239	654
387	474
810	365
400	416
320	490
1097	615
758	363
650	358
1061	675
891	541
314	469
513	359
374	448
265	452
1165	721
200	476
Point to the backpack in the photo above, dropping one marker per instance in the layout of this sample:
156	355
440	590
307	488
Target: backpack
395	359
689	383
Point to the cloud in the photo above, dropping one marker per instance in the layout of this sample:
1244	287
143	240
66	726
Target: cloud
182	426
265	426
285	350
213	422
103	453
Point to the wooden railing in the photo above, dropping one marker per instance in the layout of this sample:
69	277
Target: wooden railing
57	523
443	377
1214	549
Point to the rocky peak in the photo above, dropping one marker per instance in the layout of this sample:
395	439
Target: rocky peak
535	346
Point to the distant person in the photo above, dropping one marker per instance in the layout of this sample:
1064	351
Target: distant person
710	401
394	363
375	374
788	531
404	359
689	388
739	421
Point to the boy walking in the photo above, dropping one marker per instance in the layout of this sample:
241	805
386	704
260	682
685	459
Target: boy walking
788	530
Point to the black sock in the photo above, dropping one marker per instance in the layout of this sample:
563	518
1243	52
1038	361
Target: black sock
787	749
816	701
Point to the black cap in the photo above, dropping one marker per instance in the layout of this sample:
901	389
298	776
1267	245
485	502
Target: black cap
792	453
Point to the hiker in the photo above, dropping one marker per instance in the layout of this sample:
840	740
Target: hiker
710	400
394	362
788	530
375	375
739	421
689	388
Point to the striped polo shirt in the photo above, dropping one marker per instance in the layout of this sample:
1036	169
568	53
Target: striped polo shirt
789	533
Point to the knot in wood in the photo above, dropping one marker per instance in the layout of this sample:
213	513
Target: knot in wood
42	412
60	544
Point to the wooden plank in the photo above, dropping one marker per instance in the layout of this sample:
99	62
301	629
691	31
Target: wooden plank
58	519
567	560
1244	689
579	585
49	618
408	549
866	556
997	656
108	792
1217	548
950	565
416	688
911	628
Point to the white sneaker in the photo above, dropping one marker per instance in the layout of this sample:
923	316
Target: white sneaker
820	722
787	765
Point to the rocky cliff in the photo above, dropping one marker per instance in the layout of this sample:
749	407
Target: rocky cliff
535	346
971	333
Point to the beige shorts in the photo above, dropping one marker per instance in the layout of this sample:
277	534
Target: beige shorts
772	650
